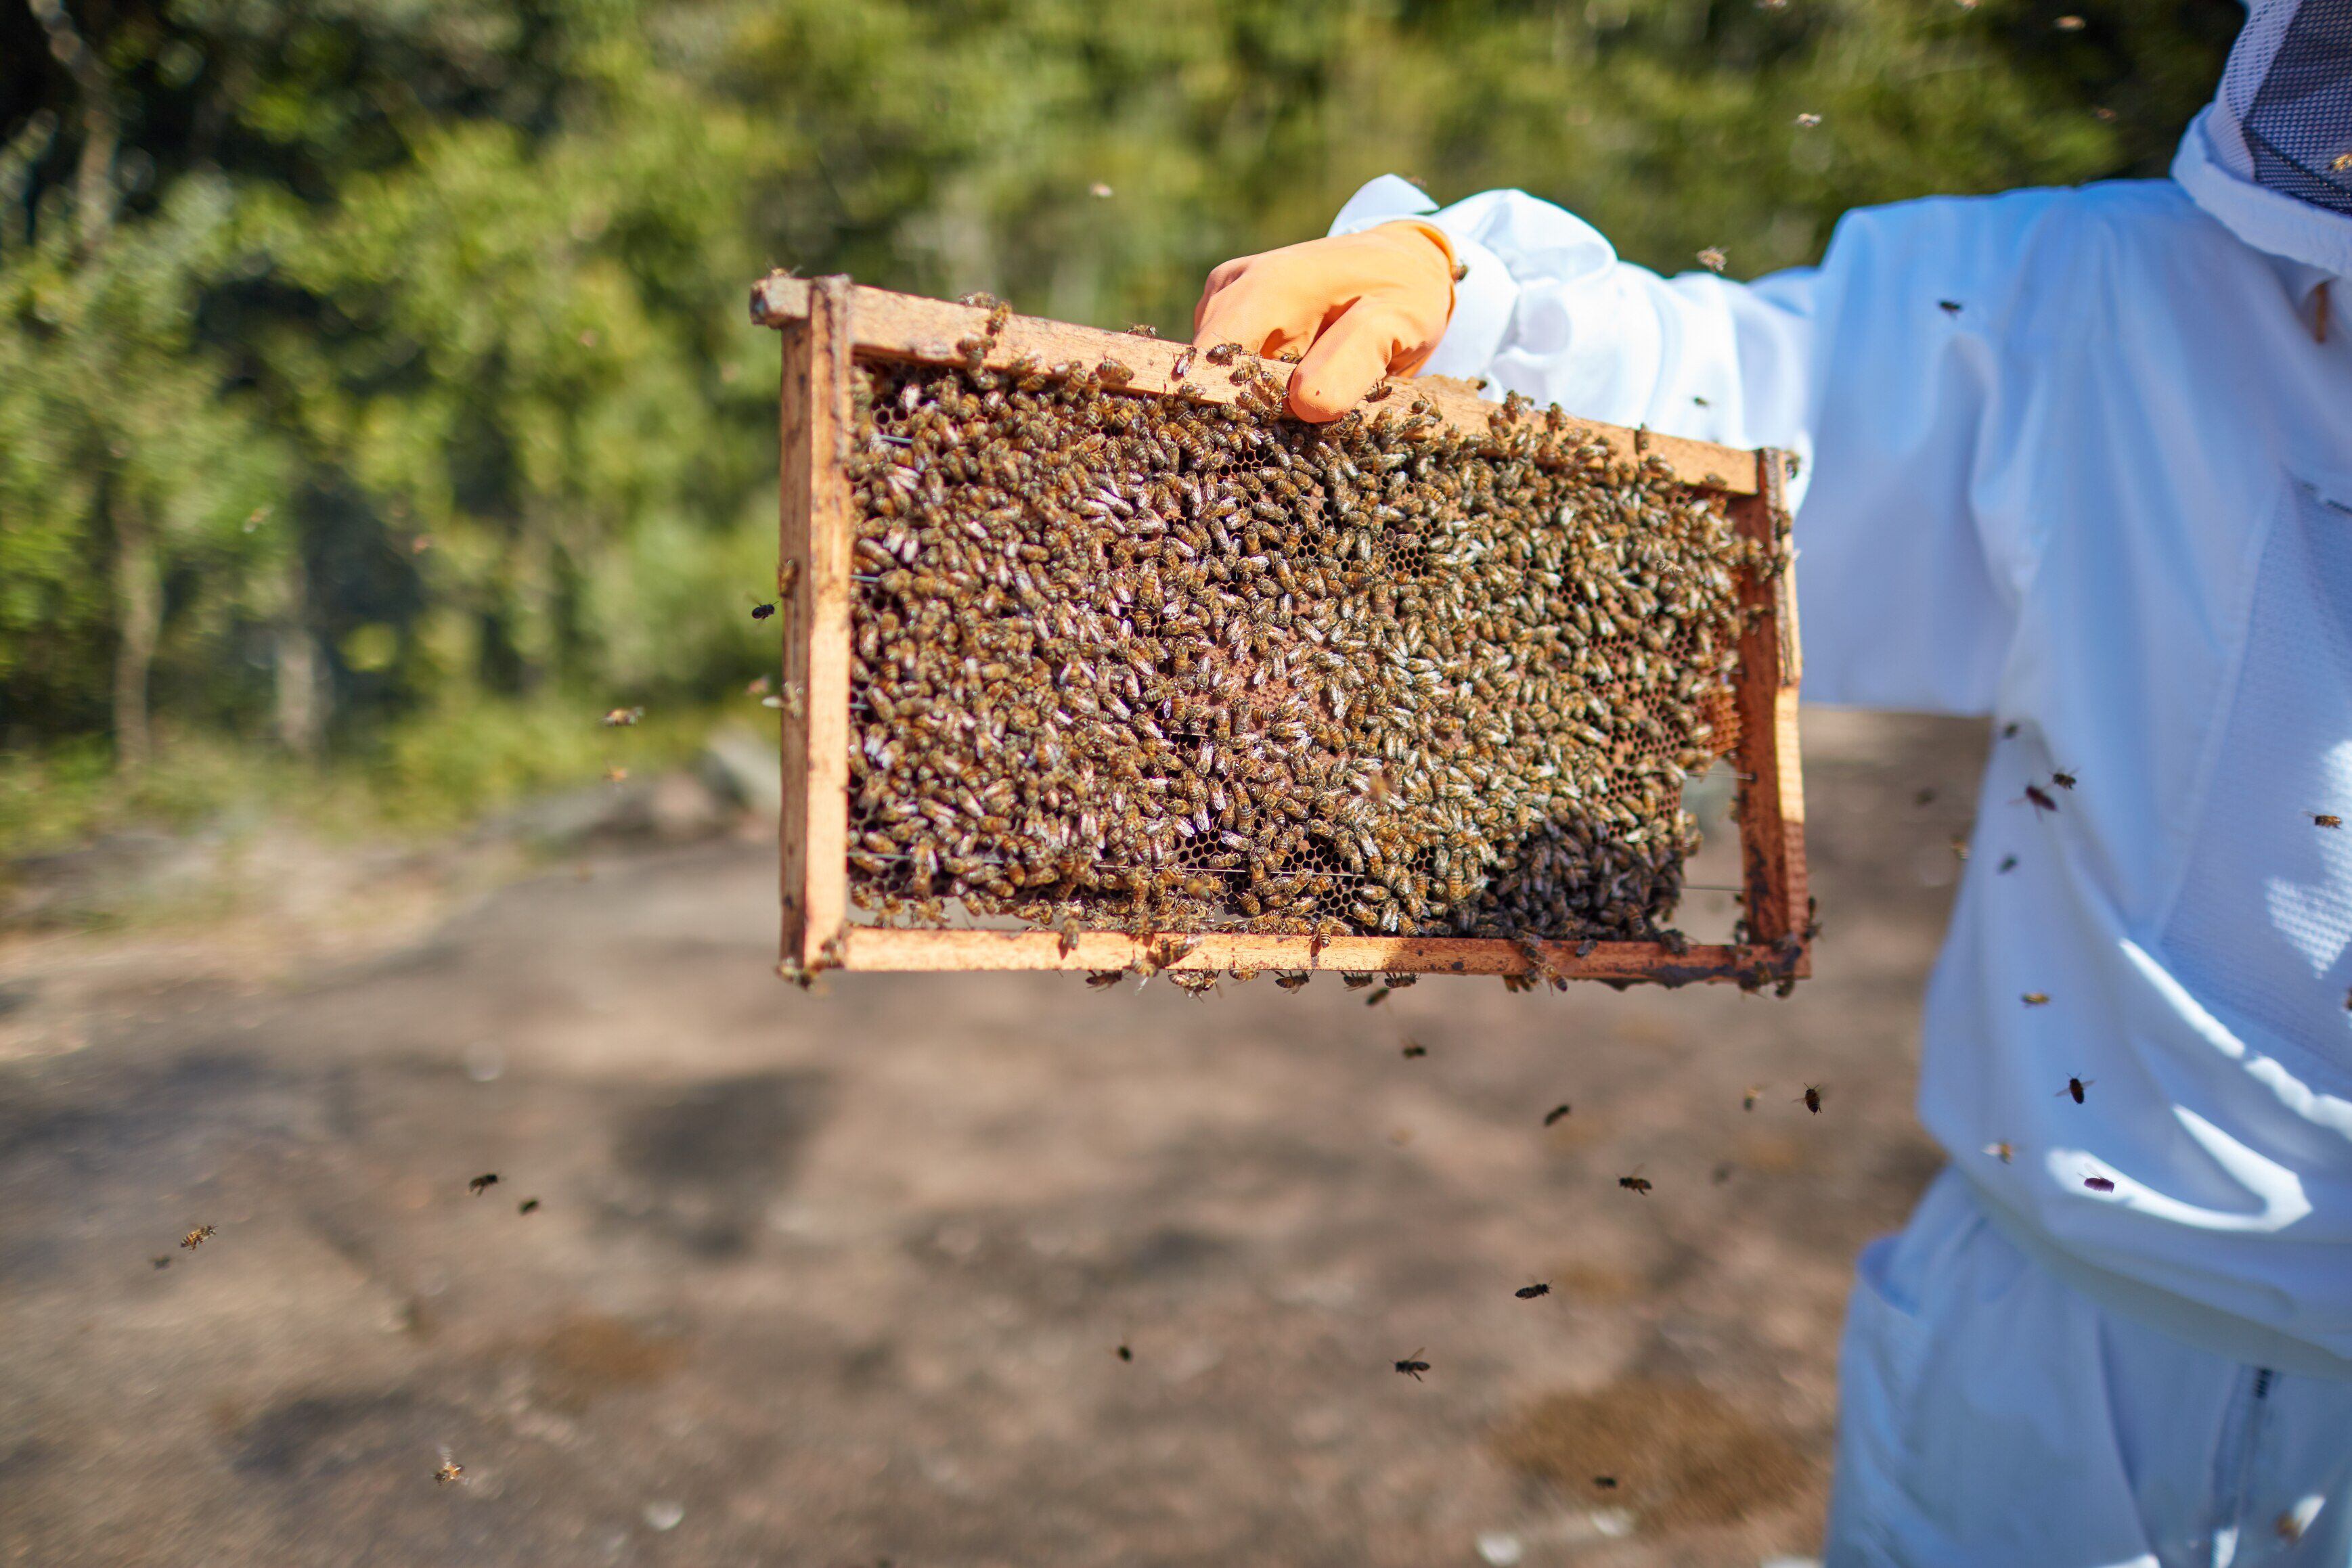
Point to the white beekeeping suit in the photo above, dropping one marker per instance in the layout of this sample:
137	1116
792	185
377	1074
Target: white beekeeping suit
2080	460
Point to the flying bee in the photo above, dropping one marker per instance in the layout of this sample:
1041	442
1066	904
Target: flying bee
450	1470
1808	121
1124	1353
1412	1367
2074	1086
1606	1483
1377	998
1712	258
762	611
1529	1292
2326	819
1553	1116
161	1261
483	1183
196	1237
1103	979
2035	999
2064	779
622	717
1637	1182
2099	1184
2008	864
1811	1098
2003	1151
2040	798
528	1205
1413	1051
1748	1101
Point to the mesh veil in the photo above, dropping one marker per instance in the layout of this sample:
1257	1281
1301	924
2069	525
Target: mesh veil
2282	119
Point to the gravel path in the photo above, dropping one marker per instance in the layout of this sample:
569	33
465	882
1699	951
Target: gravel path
830	1279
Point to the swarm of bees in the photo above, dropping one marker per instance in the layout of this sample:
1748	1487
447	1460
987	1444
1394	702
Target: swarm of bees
1125	662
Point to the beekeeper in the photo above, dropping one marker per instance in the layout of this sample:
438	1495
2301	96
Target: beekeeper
2079	460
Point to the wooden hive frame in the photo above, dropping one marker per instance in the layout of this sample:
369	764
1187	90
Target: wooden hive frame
828	323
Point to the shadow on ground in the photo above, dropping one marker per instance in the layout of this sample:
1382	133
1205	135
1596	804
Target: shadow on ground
778	1279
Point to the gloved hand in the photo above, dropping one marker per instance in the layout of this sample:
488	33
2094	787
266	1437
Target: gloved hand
1360	307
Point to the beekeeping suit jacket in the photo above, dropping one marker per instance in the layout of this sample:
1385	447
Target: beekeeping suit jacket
2074	459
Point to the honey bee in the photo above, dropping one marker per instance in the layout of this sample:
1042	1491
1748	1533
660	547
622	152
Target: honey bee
1748	1101
1412	1367
2070	24
1553	1116
622	717
2035	999
2074	1086
762	611
196	1237
450	1470
2008	864
1808	121
2099	1184
1811	1098
616	775
161	1261
2326	819
483	1183
1634	1183
1125	1353
1221	353
1103	979
2040	798
1291	979
1413	1051
2003	1151
1529	1292
528	1205
1712	258
2064	779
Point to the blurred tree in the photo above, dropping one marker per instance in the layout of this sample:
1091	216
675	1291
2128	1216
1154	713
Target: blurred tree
369	367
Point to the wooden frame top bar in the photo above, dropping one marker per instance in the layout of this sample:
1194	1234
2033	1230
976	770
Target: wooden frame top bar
885	325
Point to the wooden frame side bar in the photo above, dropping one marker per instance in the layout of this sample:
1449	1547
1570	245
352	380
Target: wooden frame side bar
813	588
1771	807
908	327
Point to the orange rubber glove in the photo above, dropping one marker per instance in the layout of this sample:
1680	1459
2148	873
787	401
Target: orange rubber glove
1358	306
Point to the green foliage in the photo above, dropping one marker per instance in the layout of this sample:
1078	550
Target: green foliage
398	348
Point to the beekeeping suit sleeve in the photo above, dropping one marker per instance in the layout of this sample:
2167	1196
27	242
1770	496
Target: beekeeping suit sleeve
1880	369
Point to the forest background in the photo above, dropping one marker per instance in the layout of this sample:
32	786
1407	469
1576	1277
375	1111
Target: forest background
377	401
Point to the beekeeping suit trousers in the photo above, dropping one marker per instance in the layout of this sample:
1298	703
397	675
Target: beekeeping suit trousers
2080	461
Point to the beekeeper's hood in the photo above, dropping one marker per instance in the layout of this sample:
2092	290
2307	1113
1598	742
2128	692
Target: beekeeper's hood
2271	156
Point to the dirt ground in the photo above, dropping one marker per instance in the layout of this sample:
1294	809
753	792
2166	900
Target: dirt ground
844	1278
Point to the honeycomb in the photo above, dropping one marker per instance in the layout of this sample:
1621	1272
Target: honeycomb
1141	662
